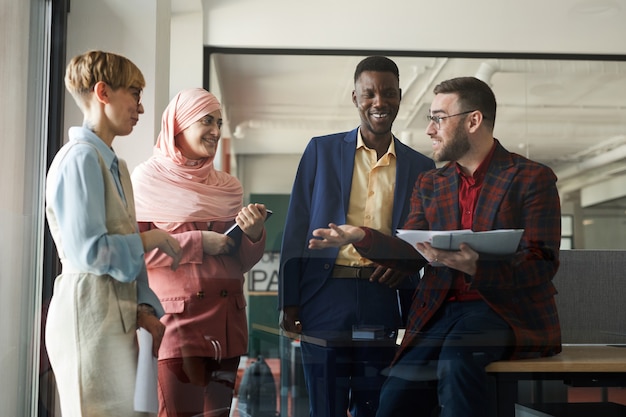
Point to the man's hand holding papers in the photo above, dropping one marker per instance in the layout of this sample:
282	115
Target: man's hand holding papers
492	244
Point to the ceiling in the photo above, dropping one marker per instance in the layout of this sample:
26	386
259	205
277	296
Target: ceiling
567	113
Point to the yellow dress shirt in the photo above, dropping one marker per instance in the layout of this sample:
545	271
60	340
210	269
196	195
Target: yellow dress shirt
371	196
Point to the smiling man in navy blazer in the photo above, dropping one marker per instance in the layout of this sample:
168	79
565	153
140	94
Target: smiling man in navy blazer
364	177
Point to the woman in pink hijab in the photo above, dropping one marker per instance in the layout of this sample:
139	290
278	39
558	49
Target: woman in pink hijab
179	190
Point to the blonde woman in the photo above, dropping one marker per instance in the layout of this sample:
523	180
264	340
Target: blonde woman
101	296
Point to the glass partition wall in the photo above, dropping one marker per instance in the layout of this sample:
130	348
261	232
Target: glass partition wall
567	112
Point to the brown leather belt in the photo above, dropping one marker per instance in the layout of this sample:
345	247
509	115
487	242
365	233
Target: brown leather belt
364	272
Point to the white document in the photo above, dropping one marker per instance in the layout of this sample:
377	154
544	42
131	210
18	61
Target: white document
146	398
499	242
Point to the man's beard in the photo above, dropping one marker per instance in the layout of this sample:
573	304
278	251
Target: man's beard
455	148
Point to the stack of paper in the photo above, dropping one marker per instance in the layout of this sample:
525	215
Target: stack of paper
146	397
499	242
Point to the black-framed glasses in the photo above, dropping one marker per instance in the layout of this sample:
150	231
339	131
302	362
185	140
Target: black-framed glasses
137	93
438	119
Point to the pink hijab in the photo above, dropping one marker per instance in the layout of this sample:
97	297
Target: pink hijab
169	189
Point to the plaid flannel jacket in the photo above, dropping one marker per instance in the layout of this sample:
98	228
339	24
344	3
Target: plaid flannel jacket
517	194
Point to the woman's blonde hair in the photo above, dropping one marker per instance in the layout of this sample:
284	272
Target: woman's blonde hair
85	70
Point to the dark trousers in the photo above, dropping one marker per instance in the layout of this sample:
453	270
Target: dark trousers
455	347
346	378
341	379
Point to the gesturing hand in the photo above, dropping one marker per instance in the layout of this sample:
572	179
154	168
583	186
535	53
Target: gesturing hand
335	236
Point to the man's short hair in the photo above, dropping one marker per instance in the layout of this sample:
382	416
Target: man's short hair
376	63
474	94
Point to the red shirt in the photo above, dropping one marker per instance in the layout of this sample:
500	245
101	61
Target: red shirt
469	190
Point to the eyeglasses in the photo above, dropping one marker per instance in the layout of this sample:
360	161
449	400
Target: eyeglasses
137	93
438	119
208	120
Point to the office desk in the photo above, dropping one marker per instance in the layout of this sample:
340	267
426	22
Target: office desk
576	365
344	339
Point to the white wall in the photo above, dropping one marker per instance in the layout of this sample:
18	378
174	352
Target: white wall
186	52
418	25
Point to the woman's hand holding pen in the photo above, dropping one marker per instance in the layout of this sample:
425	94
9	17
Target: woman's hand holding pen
157	238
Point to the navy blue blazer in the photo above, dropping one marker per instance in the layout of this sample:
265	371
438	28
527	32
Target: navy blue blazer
320	195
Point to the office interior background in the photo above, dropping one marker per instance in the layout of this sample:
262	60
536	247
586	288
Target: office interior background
283	71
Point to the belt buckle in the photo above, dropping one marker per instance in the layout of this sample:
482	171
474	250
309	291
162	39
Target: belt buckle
363	270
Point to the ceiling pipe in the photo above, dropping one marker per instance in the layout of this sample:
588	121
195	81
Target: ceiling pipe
599	148
579	182
597	161
488	68
550	129
486	71
435	73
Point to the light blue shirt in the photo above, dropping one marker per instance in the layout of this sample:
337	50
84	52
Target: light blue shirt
77	198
